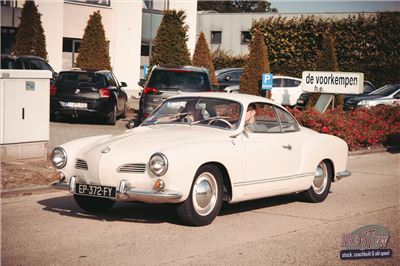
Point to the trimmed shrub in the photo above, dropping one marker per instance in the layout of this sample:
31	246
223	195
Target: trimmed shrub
223	59
256	64
170	46
30	39
361	128
202	57
93	52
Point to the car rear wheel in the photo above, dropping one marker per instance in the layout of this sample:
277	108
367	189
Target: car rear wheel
113	117
125	113
204	201
321	184
92	204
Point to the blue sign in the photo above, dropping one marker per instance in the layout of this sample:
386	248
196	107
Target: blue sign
145	71
266	83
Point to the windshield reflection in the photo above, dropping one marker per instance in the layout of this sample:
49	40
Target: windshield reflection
197	111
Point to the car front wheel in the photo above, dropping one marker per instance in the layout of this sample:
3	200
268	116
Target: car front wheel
92	204
321	183
204	201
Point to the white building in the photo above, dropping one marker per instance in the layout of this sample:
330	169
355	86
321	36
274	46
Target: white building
64	22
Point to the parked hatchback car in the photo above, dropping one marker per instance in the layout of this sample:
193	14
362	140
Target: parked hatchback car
164	82
28	62
198	164
386	95
80	93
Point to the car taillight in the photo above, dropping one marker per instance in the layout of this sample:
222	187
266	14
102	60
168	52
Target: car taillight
149	90
53	90
104	93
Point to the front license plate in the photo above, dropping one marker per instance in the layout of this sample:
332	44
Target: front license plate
76	105
95	191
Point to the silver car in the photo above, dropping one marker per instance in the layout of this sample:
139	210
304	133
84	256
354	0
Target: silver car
386	95
165	82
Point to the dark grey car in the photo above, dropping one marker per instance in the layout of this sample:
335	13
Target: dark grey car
165	82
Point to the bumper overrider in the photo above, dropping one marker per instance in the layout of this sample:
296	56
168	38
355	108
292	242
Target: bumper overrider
340	175
125	193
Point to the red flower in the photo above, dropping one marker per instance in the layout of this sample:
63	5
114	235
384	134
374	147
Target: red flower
325	129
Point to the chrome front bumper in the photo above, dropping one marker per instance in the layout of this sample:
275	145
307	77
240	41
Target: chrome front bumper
125	193
340	175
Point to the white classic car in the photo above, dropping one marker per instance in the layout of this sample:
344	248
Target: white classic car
199	150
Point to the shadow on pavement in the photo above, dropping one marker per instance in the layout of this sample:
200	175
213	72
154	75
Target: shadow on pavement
153	214
121	211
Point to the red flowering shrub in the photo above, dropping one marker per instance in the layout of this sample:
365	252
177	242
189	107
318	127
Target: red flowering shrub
361	128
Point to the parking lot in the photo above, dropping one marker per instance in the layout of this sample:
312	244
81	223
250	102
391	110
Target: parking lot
50	228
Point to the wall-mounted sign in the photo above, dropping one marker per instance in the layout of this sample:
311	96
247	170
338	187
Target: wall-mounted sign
332	82
30	85
266	83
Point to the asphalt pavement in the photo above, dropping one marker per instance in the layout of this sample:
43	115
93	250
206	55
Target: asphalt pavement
50	229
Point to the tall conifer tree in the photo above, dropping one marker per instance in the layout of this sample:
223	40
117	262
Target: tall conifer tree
202	57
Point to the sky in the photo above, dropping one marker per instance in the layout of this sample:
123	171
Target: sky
305	6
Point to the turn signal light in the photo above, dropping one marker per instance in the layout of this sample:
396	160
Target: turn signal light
149	90
53	90
104	93
159	185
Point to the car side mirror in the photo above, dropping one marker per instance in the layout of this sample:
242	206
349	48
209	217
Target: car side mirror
132	123
123	84
141	82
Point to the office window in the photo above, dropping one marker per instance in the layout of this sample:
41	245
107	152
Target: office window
216	37
246	37
92	2
145	50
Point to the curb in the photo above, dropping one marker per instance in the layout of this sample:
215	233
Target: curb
17	192
374	150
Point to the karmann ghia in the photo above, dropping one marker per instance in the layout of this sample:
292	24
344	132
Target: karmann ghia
199	150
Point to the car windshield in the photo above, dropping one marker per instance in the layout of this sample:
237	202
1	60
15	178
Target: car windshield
179	80
385	90
8	63
197	111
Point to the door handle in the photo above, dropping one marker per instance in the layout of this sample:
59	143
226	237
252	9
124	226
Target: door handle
289	147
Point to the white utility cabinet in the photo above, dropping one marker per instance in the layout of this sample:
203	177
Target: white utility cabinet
24	112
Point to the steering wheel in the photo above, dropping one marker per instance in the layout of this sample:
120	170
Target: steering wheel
216	120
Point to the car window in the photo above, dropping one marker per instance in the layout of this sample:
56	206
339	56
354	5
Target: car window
289	124
111	80
368	88
182	80
291	83
26	65
38	65
385	90
82	78
277	83
116	80
235	75
9	63
265	120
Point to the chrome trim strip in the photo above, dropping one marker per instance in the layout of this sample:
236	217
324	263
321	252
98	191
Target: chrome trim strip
274	179
132	168
81	164
345	173
152	196
61	185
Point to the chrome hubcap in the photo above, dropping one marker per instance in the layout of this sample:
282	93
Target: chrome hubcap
320	178
204	194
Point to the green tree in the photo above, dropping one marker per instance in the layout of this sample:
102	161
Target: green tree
30	39
236	6
202	57
93	52
255	65
170	43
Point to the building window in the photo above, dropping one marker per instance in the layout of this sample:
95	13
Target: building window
246	37
216	37
7	39
92	2
145	50
70	51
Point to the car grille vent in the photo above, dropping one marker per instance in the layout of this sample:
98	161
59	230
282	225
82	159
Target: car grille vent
81	164
132	168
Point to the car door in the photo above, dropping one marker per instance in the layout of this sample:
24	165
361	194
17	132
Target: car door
272	152
122	96
276	92
115	91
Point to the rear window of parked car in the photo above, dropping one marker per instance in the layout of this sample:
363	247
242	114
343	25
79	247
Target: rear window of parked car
187	81
92	79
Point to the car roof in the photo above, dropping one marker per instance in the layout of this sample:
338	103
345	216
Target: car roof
188	68
21	57
84	71
285	77
243	98
224	70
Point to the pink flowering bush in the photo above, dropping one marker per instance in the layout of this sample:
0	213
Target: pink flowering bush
360	128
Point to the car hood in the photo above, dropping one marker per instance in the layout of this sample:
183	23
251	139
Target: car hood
364	97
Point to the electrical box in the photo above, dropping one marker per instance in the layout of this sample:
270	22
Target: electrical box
24	107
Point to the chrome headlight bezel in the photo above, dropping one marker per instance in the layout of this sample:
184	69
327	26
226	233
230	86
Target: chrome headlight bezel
164	164
58	151
363	103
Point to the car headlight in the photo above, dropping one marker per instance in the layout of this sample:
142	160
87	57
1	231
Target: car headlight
364	102
59	157
158	164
